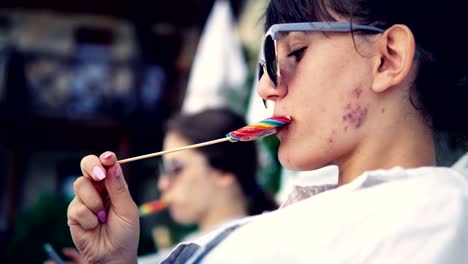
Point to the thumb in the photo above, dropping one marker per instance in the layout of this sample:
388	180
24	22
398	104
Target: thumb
119	194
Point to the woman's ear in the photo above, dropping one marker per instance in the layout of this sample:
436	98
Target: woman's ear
396	50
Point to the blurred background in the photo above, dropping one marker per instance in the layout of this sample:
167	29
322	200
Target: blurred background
83	77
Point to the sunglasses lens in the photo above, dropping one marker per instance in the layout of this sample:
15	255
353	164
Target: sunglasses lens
172	169
270	59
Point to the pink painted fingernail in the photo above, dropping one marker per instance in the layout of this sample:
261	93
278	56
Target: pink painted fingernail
107	155
118	171
99	173
102	216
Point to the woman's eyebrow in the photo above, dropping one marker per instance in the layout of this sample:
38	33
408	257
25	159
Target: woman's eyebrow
292	37
295	36
293	33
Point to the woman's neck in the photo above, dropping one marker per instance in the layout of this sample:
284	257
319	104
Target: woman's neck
408	143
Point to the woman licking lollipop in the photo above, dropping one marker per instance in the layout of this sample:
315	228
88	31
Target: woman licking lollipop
366	83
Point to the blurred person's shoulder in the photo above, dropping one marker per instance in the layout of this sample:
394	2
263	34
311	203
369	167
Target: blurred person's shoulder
154	257
197	242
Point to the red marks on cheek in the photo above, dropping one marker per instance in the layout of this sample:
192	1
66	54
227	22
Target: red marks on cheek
356	93
354	115
354	111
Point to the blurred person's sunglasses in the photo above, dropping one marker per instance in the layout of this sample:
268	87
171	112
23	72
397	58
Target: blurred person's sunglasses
270	62
173	168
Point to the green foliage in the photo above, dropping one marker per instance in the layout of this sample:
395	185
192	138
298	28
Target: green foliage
45	222
270	167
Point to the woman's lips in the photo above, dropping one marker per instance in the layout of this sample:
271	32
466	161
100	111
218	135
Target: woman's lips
282	130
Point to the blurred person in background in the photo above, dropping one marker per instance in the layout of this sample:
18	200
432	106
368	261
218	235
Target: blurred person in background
213	185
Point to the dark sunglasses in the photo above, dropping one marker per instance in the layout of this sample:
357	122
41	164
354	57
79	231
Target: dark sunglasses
171	169
270	63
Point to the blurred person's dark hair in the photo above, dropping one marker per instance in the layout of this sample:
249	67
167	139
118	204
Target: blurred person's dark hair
238	158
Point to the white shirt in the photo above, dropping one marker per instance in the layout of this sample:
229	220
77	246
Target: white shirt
384	216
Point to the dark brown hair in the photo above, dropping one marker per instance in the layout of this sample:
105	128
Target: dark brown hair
238	158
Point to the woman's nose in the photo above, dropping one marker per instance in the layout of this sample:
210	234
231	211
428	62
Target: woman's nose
163	183
267	90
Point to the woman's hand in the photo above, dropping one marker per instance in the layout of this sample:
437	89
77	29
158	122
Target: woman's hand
103	218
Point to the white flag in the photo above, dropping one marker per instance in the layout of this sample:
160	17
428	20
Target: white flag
219	68
461	165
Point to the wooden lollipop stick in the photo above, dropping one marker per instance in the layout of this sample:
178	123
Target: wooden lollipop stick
173	150
263	128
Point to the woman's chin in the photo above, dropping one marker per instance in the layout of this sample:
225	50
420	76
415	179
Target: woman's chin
292	160
286	160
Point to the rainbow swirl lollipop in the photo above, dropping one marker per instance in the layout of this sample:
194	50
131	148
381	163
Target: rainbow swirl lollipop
263	128
151	207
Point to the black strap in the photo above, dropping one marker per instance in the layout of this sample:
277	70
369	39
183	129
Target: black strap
213	243
181	254
193	253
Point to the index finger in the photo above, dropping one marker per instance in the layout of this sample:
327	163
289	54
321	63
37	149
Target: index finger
108	158
92	167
